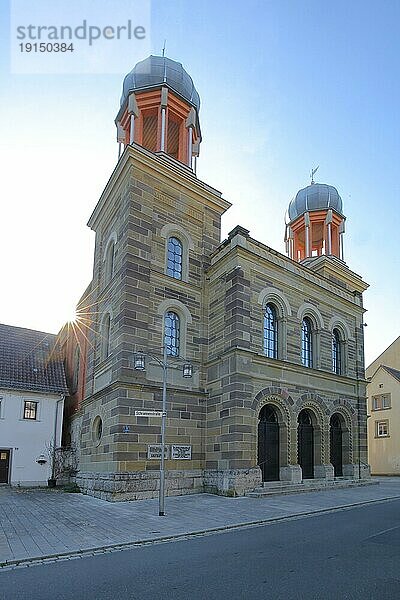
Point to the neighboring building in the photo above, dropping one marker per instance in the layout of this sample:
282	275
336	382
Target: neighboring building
276	342
32	391
383	390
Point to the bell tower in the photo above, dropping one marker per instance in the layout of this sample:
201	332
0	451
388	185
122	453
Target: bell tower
316	223
160	110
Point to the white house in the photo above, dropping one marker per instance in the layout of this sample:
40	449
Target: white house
32	392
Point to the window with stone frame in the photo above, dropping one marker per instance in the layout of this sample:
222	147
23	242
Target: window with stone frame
30	410
105	336
381	402
109	262
306	343
174	258
382	429
270	331
337	366
172	333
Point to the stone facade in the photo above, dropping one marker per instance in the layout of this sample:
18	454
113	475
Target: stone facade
220	302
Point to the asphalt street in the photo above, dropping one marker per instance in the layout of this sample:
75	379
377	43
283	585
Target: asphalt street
346	554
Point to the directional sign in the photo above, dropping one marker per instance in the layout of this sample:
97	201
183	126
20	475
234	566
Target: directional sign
148	413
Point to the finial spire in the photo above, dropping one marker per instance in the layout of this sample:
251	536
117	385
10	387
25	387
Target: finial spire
163	50
313	171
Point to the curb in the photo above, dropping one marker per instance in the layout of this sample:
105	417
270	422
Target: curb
61	556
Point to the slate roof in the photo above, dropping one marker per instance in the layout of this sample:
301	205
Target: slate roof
394	372
29	361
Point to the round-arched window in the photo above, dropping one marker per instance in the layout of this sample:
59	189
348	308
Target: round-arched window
270	332
336	352
172	333
306	343
174	258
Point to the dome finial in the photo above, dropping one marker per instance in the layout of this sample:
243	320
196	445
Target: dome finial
313	171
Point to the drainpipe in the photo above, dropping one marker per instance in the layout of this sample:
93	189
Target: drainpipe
61	399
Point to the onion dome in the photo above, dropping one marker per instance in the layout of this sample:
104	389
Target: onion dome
156	71
317	196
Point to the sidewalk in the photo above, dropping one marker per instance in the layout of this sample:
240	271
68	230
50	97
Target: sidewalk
39	524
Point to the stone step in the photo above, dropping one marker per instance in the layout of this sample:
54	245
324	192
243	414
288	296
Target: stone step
282	487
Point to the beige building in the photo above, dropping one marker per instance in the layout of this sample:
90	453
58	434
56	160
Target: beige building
275	342
384	411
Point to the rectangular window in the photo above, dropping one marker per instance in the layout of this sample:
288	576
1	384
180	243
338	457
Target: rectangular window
382	428
381	402
30	410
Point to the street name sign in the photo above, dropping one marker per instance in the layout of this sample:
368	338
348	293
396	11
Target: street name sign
148	413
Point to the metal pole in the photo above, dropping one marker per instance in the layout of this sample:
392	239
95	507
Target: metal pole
163	423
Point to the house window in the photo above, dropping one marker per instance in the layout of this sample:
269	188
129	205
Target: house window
382	429
270	332
381	402
30	410
336	352
172	333
306	343
174	258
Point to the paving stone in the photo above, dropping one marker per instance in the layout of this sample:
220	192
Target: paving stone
38	523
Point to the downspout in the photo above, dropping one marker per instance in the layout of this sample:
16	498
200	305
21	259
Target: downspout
61	399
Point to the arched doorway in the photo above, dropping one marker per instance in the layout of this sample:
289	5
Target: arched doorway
305	443
336	451
268	443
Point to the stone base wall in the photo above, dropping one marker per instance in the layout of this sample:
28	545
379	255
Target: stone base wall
232	482
356	471
139	485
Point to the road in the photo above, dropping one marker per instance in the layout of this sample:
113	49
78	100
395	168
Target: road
347	554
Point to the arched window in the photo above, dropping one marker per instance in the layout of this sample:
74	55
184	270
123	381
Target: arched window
105	336
306	343
270	332
109	262
172	333
336	352
174	258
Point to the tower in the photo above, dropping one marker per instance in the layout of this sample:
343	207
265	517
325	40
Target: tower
316	223
160	110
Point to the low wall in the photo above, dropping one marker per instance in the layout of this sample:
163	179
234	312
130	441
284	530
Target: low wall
139	485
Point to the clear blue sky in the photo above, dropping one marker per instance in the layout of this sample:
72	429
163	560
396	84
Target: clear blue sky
285	85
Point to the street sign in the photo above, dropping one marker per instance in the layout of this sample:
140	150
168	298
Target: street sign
148	413
154	452
181	452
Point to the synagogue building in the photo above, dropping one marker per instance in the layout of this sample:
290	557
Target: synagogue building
261	353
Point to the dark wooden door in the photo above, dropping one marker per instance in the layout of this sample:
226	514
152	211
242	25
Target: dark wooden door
305	441
268	450
4	465
268	443
336	454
